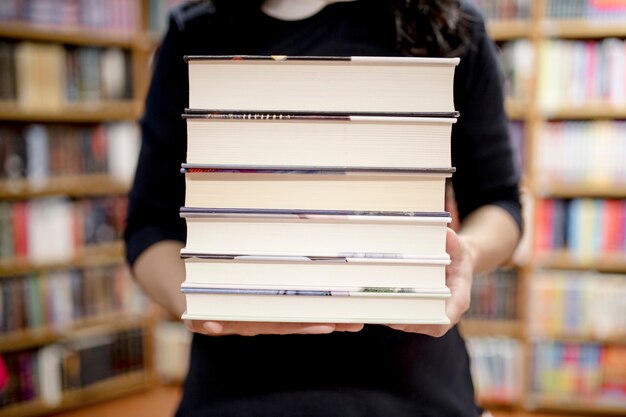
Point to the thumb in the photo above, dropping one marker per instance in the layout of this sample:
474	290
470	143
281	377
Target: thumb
454	246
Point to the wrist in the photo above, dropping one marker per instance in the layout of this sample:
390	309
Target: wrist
471	251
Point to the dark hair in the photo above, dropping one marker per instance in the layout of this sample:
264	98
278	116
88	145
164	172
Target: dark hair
423	27
431	27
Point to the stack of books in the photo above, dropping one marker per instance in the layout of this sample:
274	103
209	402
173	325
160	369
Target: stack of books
315	188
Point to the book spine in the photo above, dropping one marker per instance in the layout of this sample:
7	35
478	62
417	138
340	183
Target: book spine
209	114
252	169
310	292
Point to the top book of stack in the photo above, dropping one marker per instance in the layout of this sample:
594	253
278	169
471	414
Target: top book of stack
346	85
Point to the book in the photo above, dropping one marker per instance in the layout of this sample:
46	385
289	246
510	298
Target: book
40	76
316	304
280	231
297	270
314	139
311	189
331	84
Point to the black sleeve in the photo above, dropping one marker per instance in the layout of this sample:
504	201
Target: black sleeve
481	149
158	189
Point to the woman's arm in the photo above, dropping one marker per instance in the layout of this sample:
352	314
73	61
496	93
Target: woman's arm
160	271
486	180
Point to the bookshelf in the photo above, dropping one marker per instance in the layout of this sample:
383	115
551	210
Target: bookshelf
580	133
74	301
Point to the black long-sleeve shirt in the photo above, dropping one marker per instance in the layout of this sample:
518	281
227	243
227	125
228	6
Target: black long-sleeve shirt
377	371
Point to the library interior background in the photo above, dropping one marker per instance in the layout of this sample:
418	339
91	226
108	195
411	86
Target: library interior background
546	333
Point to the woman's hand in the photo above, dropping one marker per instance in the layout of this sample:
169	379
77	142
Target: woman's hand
459	276
245	328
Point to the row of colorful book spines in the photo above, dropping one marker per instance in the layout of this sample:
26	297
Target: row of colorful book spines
576	139
583	148
577	72
494	297
583	226
554	9
587	370
587	9
84	222
117	353
116	16
61	298
122	353
496	369
574	304
55	149
91	73
504	9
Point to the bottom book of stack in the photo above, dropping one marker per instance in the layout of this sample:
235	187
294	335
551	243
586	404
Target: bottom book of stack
274	288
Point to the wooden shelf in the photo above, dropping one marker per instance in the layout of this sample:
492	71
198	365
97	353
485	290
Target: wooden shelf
581	191
564	260
138	46
591	111
77	112
108	323
72	35
542	402
86	185
486	328
516	109
583	28
87	257
581	338
491	403
505	30
100	391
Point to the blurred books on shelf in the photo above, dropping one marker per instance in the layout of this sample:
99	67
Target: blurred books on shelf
71	88
496	369
577	304
49	376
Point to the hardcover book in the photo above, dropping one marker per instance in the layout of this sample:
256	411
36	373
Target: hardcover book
378	85
341	305
317	139
315	189
283	231
293	270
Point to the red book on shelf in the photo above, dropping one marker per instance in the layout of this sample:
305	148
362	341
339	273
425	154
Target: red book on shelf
20	232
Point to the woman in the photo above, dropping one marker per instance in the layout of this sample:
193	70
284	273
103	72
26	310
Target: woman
291	369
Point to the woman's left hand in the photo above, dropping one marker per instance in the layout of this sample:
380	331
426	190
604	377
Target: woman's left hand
458	279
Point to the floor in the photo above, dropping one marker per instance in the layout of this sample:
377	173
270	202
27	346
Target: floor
157	402
161	402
